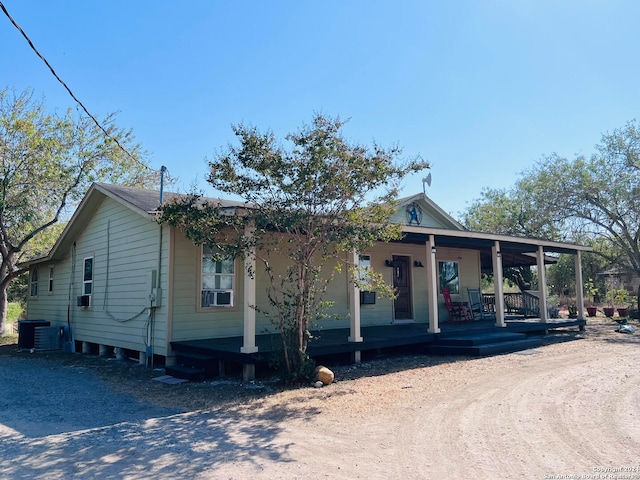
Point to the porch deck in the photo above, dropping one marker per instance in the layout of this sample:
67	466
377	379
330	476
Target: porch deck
335	341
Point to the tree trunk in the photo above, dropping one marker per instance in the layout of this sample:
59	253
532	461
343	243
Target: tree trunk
3	309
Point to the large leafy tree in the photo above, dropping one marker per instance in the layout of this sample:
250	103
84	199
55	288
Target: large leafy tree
588	199
598	197
47	162
511	212
311	203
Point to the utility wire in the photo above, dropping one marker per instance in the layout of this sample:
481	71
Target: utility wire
15	24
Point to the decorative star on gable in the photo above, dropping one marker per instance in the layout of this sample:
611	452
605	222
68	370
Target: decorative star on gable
414	214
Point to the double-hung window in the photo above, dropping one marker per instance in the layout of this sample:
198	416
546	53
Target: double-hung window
87	276
33	291
218	279
364	271
50	279
449	276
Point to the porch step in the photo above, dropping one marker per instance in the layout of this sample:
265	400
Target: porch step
480	337
484	344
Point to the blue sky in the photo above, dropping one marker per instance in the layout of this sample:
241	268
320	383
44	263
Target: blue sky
481	89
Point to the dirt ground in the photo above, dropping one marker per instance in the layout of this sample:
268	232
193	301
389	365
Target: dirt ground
569	409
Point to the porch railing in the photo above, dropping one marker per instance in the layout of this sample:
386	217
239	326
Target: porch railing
526	303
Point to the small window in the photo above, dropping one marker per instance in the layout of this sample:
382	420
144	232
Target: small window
87	276
449	276
218	279
33	290
364	269
50	279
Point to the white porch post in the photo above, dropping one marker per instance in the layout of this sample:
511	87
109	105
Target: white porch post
432	285
542	285
579	286
249	334
497	281
354	304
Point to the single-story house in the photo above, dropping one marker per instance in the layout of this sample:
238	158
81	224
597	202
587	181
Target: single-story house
116	278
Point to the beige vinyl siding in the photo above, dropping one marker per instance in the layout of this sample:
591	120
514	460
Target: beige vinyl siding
124	246
51	306
119	314
336	292
381	313
468	270
190	321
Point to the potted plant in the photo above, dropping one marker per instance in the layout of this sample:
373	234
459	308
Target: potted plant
592	310
573	311
617	297
608	311
591	289
621	299
624	305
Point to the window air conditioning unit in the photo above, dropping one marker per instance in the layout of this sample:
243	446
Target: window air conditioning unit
367	298
84	301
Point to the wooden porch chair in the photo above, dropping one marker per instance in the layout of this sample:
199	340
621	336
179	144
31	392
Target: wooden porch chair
476	304
458	311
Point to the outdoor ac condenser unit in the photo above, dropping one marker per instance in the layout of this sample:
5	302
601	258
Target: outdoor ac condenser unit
46	338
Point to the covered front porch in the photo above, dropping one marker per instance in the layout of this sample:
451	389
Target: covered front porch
193	355
421	249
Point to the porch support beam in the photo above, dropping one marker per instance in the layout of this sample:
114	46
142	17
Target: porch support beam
579	285
249	324
432	285
498	280
542	285
355	334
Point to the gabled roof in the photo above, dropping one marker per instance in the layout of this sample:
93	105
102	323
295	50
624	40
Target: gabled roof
432	214
146	201
446	231
142	201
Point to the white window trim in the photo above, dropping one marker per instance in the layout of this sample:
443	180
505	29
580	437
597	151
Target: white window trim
216	292
364	270
33	283
50	283
85	282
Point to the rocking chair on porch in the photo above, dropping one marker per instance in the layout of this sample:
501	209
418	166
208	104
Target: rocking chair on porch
476	303
458	311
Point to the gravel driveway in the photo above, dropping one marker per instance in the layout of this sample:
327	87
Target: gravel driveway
567	408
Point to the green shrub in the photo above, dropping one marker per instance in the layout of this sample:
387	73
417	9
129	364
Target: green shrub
14	312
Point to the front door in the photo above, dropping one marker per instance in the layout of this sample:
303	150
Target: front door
402	284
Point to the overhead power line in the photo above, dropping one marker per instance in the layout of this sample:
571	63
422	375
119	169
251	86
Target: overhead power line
15	24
